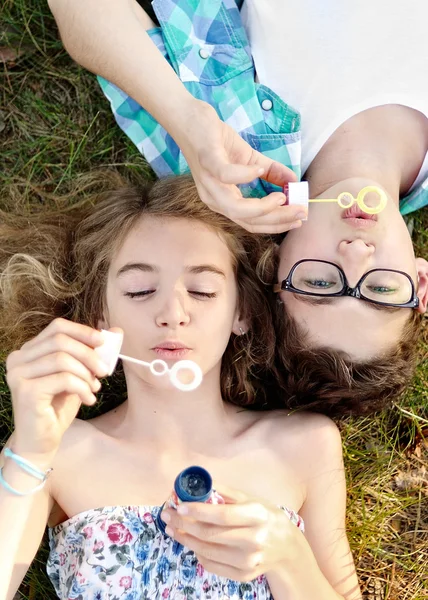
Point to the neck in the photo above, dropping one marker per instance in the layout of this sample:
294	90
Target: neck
172	419
357	166
386	144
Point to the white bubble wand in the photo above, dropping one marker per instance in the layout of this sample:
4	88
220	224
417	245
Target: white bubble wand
109	353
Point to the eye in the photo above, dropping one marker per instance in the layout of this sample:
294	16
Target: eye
140	294
319	283
381	289
203	294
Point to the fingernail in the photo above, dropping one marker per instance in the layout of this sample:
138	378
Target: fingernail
169	531
296	224
260	171
97	384
182	510
166	518
302	215
282	200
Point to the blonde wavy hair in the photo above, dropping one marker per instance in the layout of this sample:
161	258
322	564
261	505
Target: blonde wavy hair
55	265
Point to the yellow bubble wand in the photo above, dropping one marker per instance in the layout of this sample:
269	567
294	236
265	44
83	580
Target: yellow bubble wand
298	193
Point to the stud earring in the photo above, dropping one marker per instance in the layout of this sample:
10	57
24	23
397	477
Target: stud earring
241	331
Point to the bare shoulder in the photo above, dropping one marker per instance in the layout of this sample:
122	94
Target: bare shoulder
310	437
77	436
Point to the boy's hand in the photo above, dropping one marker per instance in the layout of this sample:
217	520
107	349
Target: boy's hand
219	159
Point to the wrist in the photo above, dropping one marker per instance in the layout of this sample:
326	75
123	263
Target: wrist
41	460
297	559
196	116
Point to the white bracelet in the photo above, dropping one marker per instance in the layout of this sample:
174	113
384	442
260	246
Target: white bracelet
12	490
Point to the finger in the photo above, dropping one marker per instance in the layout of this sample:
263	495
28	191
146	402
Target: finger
62	342
82	333
274	172
225	515
43	389
213	534
229	201
230	495
58	362
229	173
222	555
284	215
269	229
228	571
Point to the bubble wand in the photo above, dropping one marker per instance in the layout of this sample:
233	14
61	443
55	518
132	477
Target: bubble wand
297	193
109	353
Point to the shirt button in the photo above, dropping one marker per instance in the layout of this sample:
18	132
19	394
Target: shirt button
204	53
267	104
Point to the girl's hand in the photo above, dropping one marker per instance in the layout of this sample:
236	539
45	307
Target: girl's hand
49	378
241	539
219	159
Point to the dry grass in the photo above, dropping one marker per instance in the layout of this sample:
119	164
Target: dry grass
55	125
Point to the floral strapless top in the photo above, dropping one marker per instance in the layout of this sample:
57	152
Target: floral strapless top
118	553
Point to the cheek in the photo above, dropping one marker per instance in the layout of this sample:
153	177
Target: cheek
307	242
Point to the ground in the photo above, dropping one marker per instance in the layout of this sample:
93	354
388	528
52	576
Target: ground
57	136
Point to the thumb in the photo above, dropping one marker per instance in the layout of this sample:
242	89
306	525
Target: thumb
274	172
219	167
230	495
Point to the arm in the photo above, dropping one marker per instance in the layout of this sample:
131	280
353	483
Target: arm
49	378
245	538
22	521
109	38
324	568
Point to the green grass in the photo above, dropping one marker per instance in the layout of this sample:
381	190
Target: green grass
56	126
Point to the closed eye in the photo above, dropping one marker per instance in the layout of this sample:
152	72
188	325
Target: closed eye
139	294
203	294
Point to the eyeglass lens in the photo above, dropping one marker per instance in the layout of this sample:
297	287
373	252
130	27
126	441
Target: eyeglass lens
319	278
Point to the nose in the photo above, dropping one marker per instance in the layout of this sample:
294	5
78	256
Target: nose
355	255
173	312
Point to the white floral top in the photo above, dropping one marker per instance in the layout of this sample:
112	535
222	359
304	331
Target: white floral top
118	553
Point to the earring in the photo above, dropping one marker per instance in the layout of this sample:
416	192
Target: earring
241	331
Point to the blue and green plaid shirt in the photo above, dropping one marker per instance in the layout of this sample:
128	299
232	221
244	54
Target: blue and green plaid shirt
206	44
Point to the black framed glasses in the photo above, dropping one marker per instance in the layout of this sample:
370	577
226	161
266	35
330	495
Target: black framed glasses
322	278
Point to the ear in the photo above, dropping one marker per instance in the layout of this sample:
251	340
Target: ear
240	326
102	324
422	267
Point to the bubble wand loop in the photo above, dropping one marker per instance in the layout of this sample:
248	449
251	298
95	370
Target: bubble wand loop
109	352
298	193
187	365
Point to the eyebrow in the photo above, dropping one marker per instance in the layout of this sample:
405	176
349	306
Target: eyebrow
147	268
317	301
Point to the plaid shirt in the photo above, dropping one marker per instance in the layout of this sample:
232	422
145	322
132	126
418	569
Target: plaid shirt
206	44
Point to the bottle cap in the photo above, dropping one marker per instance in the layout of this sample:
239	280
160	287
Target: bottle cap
109	351
194	484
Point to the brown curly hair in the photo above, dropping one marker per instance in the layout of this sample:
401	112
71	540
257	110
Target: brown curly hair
328	381
56	264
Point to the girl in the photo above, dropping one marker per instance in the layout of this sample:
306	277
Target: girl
178	280
184	91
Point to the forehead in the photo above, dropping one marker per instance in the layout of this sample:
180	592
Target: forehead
172	241
348	325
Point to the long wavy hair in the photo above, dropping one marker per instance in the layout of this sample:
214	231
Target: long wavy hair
55	265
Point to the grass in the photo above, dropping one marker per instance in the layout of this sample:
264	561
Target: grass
56	126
